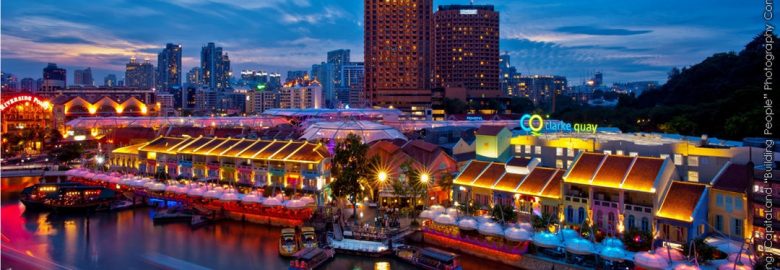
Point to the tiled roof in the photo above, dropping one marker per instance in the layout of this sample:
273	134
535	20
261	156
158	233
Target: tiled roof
130	149
553	188
490	130
613	171
509	182
289	149
536	181
643	174
190	146
255	148
236	148
271	149
163	144
734	178
681	200
470	173
584	168
490	175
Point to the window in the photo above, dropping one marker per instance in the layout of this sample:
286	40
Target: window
693	161
693	176
568	163
645	224
631	222
678	160
737	228
538	150
570	152
569	214
719	200
558	151
738	204
527	149
559	164
581	214
719	222
664	156
518	149
633	154
729	204
608	152
619	152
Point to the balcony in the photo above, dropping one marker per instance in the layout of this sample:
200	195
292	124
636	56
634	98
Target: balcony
576	199
638	208
605	203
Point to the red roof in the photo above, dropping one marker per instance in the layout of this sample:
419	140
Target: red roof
612	171
535	182
734	178
553	189
643	174
681	200
509	181
472	170
490	130
490	176
584	168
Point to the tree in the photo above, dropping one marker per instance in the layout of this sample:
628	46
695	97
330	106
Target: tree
637	240
67	152
445	183
503	213
351	169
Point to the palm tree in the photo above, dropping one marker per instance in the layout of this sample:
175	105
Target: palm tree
445	183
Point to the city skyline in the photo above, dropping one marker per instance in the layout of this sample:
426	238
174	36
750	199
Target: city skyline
574	40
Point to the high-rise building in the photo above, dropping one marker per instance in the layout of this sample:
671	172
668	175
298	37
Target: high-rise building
508	76
294	75
541	88
54	78
338	58
397	49
83	77
301	94
110	80
29	85
193	76
325	73
466	49
215	66
139	75
352	77
9	81
169	67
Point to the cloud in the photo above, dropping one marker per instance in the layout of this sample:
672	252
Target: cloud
63	40
599	31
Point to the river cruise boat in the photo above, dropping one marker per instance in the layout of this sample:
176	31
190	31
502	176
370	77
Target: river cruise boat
311	258
308	238
429	258
288	242
66	197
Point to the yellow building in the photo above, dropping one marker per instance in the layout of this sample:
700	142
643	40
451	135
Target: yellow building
728	204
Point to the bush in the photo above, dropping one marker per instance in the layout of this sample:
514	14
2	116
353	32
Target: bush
636	240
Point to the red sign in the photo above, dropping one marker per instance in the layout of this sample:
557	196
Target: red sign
24	98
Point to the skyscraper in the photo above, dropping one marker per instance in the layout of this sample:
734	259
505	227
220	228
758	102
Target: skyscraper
325	74
54	78
215	67
140	75
83	77
110	80
294	75
508	76
352	77
193	77
9	81
169	67
466	49
29	84
397	53
338	58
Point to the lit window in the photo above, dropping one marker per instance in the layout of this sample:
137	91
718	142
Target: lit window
619	152
558	151
633	154
608	152
693	161
538	150
527	149
518	149
570	153
678	160
568	163
559	164
664	156
693	176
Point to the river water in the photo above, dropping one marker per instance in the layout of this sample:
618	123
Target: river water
129	240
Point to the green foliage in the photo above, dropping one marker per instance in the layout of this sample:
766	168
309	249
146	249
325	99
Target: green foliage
67	152
542	222
445	183
454	106
503	213
637	240
350	168
702	250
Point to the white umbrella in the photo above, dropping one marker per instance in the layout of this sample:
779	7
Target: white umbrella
148	185
613	253
685	266
272	202
195	192
731	266
467	224
526	226
725	245
650	261
181	189
517	234
569	234
444	219
546	240
491	228
158	187
612	242
436	209
485	218
308	200
666	252
212	194
251	198
452	211
171	189
743	258
88	175
294	204
229	197
580	246
426	214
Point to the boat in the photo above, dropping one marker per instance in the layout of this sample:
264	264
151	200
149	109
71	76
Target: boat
429	258
288	242
308	237
66	197
311	258
198	221
172	215
121	205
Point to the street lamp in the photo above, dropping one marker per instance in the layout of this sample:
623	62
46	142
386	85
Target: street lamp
382	176
424	178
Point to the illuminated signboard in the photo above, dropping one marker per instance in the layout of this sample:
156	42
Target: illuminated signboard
468	12
535	125
44	104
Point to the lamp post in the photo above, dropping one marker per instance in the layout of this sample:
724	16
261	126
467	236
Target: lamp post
424	179
381	177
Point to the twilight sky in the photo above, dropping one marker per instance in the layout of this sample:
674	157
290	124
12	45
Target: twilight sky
627	40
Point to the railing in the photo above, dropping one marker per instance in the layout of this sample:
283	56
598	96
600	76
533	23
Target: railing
519	249
576	199
638	208
605	203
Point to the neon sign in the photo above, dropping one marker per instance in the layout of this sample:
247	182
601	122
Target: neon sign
44	104
535	125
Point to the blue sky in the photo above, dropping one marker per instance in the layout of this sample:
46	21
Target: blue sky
627	40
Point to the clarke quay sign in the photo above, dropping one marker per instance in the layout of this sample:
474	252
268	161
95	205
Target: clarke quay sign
536	125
